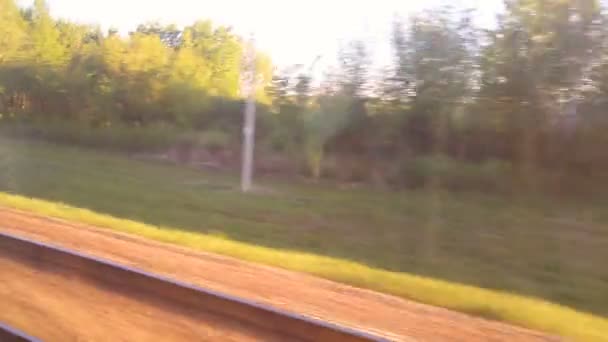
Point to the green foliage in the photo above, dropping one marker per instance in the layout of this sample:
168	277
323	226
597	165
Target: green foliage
212	140
12	31
114	137
60	70
46	47
517	93
521	94
321	125
441	170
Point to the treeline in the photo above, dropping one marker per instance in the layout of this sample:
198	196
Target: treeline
57	69
523	105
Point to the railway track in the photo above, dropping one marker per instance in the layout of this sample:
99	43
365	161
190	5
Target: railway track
9	334
132	281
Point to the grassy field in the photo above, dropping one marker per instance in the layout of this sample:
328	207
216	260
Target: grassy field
499	257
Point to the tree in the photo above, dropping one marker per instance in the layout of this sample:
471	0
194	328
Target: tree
222	52
169	34
535	71
12	31
435	70
354	64
189	77
353	83
322	123
44	37
58	69
264	77
144	70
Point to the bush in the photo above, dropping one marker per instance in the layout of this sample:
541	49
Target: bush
346	169
491	175
116	137
214	140
120	137
280	141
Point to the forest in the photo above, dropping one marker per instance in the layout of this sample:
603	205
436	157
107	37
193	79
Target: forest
520	106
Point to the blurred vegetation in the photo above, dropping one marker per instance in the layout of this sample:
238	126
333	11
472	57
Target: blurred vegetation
526	99
451	174
53	69
115	137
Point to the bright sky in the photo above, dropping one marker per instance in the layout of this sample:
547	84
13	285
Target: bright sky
291	32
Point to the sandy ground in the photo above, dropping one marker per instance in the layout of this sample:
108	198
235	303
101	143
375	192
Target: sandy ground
56	307
389	316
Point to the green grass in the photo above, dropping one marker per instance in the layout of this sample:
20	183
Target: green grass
515	255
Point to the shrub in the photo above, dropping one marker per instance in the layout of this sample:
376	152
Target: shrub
116	137
346	169
490	175
279	140
214	140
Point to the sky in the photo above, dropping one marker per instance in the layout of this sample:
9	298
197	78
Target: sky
291	32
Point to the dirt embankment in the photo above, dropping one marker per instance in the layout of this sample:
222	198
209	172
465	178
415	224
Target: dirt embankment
389	316
53	306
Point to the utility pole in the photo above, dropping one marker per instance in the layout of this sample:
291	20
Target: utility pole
249	118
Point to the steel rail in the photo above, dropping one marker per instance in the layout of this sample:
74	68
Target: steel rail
10	334
180	293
